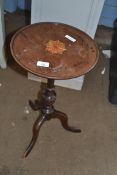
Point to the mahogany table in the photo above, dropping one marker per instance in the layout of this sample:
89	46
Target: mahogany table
54	51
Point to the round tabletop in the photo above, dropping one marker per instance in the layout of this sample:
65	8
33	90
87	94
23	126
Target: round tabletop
54	50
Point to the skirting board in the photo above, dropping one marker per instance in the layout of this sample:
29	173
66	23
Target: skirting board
75	83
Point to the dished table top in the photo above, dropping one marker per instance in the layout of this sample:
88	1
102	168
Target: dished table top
54	50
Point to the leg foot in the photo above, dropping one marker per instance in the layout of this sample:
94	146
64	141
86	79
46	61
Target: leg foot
64	121
36	127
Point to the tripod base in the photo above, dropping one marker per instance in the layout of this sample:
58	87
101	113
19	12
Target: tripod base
47	112
40	120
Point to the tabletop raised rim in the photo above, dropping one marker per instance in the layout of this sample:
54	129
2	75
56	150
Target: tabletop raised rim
47	76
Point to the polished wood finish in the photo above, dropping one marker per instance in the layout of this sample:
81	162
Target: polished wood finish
29	46
32	44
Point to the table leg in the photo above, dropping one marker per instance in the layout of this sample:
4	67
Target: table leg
36	127
35	105
64	121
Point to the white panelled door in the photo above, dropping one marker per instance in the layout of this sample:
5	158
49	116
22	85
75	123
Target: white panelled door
83	14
